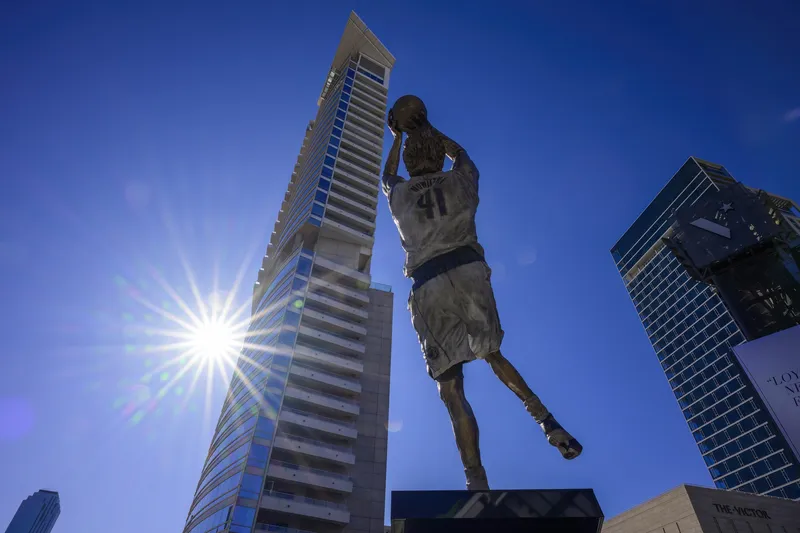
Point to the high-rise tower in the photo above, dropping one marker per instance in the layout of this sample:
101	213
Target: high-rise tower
301	441
37	513
694	317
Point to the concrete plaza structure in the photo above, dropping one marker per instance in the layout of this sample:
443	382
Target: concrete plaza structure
301	442
690	509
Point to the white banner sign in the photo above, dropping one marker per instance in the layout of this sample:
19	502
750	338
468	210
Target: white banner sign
773	364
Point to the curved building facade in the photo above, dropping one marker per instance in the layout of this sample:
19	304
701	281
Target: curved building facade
300	445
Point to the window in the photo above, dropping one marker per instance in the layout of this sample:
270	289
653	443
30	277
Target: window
251	487
242	519
265	428
292	319
258	456
372	66
304	266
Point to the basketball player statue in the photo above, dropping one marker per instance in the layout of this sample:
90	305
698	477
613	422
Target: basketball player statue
452	304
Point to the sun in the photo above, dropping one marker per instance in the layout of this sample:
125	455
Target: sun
213	340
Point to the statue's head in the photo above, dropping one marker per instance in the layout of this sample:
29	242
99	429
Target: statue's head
424	151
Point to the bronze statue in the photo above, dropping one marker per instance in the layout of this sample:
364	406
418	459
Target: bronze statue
452	304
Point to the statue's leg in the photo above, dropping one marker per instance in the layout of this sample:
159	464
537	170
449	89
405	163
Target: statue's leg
556	435
465	427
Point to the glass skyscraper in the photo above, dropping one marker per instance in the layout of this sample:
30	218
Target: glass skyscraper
37	513
302	437
692	332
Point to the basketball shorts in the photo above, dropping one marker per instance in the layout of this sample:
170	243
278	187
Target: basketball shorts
455	316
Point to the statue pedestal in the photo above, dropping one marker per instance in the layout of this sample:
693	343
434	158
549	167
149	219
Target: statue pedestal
500	511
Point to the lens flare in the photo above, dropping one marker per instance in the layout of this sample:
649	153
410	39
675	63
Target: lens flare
213	340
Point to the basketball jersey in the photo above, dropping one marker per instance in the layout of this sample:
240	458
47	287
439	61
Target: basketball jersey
435	213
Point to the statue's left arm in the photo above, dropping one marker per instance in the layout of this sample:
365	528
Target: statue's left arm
390	177
461	161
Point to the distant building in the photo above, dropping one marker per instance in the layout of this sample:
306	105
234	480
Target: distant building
711	264
690	509
37	513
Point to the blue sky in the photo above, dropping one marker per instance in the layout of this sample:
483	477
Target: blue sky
140	142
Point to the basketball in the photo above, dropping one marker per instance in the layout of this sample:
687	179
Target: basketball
409	113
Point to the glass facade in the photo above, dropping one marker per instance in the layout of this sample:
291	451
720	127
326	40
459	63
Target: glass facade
692	333
287	429
37	513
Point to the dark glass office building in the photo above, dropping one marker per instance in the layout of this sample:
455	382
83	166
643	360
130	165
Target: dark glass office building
37	513
301	441
693	331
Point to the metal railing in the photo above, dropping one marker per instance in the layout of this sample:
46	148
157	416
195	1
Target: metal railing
350	382
325	473
321	444
305	499
324	395
345	423
380	287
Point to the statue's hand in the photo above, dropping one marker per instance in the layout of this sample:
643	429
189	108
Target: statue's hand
392	123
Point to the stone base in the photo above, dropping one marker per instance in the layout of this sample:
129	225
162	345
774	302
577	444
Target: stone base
500	511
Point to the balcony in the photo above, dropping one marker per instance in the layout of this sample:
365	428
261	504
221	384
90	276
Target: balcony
352	194
372	90
361	149
309	507
365	186
353	130
331	380
354	207
366	106
330	287
334	306
322	399
331	324
377	87
351	219
364	171
349	155
333	426
330	341
310	476
330	360
327	269
343	232
315	448
365	124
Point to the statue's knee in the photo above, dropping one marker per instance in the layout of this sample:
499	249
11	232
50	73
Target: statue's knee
448	391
